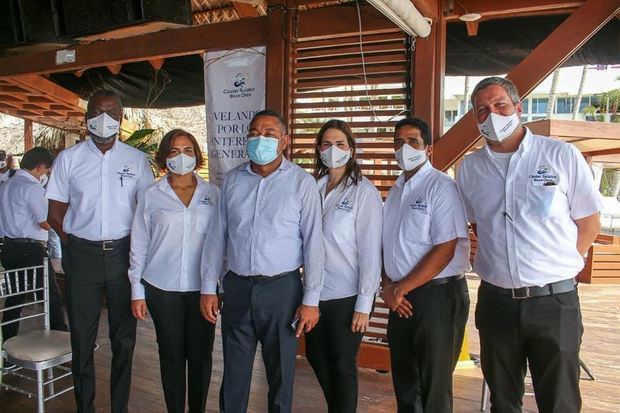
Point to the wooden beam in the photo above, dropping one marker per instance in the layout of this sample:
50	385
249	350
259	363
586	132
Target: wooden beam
428	8
472	28
170	43
115	69
505	8
569	36
244	10
612	151
28	137
46	87
278	64
157	63
340	21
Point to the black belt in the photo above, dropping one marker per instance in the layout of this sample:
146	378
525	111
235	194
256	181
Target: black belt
523	293
108	245
23	241
441	281
262	278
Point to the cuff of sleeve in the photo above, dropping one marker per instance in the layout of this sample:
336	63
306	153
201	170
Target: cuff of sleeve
311	298
363	304
208	287
137	291
56	197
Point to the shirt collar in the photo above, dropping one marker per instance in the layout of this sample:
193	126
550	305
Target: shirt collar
424	170
524	147
27	175
284	165
94	148
164	185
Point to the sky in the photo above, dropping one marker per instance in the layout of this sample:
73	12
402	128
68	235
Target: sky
597	81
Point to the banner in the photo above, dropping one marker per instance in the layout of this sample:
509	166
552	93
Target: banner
234	92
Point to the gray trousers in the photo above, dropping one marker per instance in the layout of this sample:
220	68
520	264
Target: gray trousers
259	309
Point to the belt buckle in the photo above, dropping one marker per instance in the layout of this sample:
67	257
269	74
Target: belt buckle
105	245
517	296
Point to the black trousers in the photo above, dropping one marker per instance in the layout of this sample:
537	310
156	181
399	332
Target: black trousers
185	341
92	272
425	348
331	349
19	255
258	310
544	332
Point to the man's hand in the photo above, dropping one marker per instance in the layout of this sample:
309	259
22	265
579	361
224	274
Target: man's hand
308	317
209	307
360	322
138	309
394	298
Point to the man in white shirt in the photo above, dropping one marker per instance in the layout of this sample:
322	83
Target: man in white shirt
271	213
425	253
533	205
23	213
93	193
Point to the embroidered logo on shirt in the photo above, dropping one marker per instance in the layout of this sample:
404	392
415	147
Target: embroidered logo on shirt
345	205
206	200
544	176
419	205
127	172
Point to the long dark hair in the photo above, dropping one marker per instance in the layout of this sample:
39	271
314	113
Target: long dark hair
353	173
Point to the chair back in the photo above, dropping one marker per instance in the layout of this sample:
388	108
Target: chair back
33	283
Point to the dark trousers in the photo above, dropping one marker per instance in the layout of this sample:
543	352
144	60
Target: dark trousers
259	310
425	348
19	255
544	332
185	341
92	272
331	349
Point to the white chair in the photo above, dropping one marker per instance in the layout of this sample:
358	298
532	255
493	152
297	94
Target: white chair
40	350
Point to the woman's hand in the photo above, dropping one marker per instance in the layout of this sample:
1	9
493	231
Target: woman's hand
138	309
360	322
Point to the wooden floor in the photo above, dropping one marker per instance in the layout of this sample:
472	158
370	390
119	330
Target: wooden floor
600	350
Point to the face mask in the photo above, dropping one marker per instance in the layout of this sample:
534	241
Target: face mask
498	127
103	128
262	150
408	158
334	157
181	164
44	179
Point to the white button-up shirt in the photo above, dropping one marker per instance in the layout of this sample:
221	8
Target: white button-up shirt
271	225
352	233
167	238
23	207
101	189
525	217
418	214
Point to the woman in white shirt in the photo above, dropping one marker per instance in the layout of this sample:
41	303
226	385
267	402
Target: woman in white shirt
173	220
352	233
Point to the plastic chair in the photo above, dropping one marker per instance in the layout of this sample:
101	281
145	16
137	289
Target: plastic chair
39	350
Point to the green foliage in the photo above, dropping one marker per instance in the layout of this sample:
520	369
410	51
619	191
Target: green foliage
146	140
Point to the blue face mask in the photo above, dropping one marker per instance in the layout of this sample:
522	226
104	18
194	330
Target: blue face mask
262	150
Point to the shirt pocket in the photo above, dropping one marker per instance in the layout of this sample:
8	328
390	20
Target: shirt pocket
542	201
416	227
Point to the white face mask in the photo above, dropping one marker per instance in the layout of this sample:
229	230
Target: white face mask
334	157
181	164
498	127
409	158
103	126
2	164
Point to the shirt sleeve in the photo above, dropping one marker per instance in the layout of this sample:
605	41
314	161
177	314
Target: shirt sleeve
448	220
584	198
37	203
212	261
58	184
140	241
462	187
146	177
368	227
311	227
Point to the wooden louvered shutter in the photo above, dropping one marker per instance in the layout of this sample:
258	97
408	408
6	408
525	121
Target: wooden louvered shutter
328	83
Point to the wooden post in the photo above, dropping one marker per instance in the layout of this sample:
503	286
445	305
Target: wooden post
28	138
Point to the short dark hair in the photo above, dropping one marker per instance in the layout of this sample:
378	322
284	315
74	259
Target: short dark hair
103	93
353	173
166	143
419	124
273	113
35	157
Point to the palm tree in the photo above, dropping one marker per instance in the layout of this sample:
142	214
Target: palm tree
552	92
582	83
